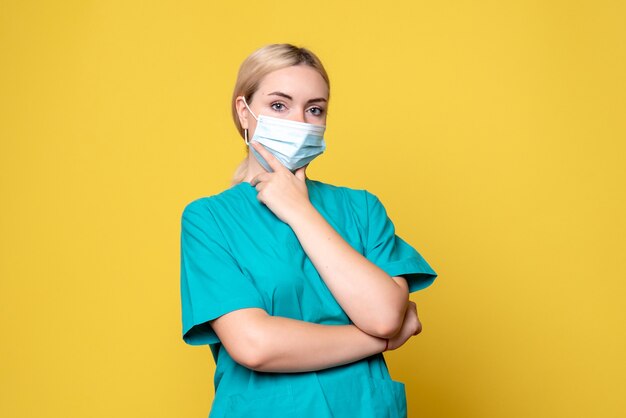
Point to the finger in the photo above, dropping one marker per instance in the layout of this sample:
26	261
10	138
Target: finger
259	178
259	187
267	156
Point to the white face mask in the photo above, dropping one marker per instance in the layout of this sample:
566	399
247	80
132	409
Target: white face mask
294	144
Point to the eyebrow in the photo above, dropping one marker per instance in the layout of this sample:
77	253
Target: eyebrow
288	97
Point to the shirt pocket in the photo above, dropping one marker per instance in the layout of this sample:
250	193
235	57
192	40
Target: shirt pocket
366	397
262	403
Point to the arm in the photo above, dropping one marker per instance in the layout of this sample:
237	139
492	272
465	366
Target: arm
374	302
267	343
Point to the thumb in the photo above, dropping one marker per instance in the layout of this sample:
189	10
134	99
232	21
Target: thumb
300	173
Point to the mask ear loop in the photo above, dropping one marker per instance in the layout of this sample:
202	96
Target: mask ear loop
247	107
245	131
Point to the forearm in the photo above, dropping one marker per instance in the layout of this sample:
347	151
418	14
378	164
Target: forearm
374	302
298	346
276	344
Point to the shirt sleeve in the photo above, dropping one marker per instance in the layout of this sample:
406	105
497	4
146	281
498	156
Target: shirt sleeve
211	282
390	252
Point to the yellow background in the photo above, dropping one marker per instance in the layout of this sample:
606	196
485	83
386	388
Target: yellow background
494	133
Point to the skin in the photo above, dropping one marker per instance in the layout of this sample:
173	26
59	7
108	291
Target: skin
377	304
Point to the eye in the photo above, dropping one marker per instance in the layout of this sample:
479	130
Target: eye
316	111
277	106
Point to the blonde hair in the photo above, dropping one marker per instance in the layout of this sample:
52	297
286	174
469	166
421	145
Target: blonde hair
254	68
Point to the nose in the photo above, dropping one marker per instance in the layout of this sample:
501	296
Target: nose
297	115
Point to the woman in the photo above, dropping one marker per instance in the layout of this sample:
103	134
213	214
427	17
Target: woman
297	285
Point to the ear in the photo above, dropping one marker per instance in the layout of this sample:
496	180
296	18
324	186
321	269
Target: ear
242	112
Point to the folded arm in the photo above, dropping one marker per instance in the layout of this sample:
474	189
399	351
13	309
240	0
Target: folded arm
267	343
374	301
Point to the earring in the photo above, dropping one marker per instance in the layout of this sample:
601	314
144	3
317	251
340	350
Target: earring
245	135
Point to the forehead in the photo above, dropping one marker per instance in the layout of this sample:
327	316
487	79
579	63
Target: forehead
298	81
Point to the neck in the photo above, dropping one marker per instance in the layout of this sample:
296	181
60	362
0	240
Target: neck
254	168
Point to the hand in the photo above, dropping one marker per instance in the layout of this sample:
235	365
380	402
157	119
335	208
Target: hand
410	327
284	193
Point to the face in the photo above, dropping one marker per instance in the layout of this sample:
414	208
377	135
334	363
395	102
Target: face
297	93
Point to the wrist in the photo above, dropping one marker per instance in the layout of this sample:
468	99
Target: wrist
305	213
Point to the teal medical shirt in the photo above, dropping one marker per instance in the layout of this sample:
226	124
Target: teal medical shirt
235	253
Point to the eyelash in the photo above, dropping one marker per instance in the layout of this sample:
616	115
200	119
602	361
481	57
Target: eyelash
321	111
317	109
279	104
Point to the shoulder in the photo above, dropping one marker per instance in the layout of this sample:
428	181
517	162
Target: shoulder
360	198
200	209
